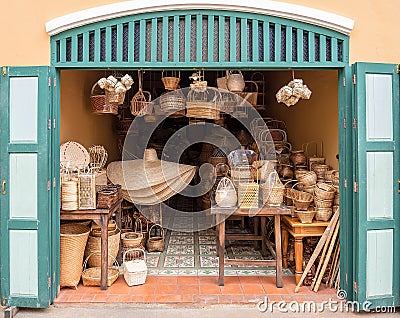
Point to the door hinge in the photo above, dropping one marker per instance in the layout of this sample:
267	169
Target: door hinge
49	81
3	301
48	124
54	182
344	81
48	185
397	68
48	282
355	186
355	123
55	82
346	278
355	287
344	123
345	183
4	72
354	79
54	123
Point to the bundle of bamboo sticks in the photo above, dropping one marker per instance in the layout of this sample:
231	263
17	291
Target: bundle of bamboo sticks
328	252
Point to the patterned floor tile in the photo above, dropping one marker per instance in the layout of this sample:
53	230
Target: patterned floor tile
176	233
182	240
168	272
173	249
207	272
152	260
207	240
208	261
187	272
179	261
208	250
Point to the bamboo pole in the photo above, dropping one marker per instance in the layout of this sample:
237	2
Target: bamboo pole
317	250
328	255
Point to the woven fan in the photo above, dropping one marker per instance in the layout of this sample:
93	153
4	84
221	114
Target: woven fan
75	154
98	156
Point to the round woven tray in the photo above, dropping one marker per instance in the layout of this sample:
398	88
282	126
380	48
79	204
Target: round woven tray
75	154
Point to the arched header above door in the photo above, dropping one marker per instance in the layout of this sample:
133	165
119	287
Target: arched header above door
198	38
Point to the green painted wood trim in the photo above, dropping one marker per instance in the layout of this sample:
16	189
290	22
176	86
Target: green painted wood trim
381	224
97	46
165	47
23	148
289	35
221	38
142	42
176	39
300	48
266	41
131	44
199	37
243	40
85	53
154	41
232	36
120	37
25	224
108	44
254	25
74	48
63	48
211	38
322	49
311	47
334	49
383	146
278	42
188	23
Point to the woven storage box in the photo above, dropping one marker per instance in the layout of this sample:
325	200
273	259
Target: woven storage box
73	238
100	103
248	195
108	196
305	216
225	195
323	214
92	276
87	191
324	191
156	243
94	247
272	190
135	268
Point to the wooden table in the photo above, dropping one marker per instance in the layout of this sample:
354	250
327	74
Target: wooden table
262	213
298	230
101	218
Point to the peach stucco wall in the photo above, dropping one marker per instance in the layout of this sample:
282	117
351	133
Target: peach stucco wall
25	41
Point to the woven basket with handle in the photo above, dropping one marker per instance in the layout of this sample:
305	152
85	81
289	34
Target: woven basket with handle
156	243
92	276
100	103
272	190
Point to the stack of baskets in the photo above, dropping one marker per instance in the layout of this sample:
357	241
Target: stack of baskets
323	200
307	180
173	103
320	170
69	195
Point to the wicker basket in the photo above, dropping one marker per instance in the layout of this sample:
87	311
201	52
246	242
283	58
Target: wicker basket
324	191
171	82
172	102
323	214
203	103
218	160
225	195
235	81
94	247
302	200
305	216
92	276
100	103
272	191
322	203
135	268
250	94
248	195
131	240
308	178
320	170
73	238
156	243
298	157
114	97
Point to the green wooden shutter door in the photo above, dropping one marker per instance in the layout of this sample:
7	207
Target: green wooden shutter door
377	171
26	216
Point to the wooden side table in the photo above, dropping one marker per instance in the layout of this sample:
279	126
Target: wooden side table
101	218
298	230
262	213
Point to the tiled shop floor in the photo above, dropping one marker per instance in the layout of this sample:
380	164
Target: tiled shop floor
195	290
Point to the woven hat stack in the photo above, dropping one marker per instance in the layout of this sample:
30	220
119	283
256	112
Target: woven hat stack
149	181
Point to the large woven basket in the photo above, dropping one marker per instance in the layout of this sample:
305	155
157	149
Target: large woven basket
324	191
92	276
307	178
101	104
94	247
156	243
73	238
272	190
302	200
248	195
202	109
131	240
323	214
135	268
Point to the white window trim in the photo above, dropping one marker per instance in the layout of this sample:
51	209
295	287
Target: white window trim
266	7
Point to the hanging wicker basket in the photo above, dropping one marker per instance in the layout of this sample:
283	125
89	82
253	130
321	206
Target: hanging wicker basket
171	82
73	238
100	103
156	243
92	276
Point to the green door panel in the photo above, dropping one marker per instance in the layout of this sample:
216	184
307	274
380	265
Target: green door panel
376	175
26	218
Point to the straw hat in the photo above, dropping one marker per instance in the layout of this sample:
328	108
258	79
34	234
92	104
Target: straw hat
150	179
